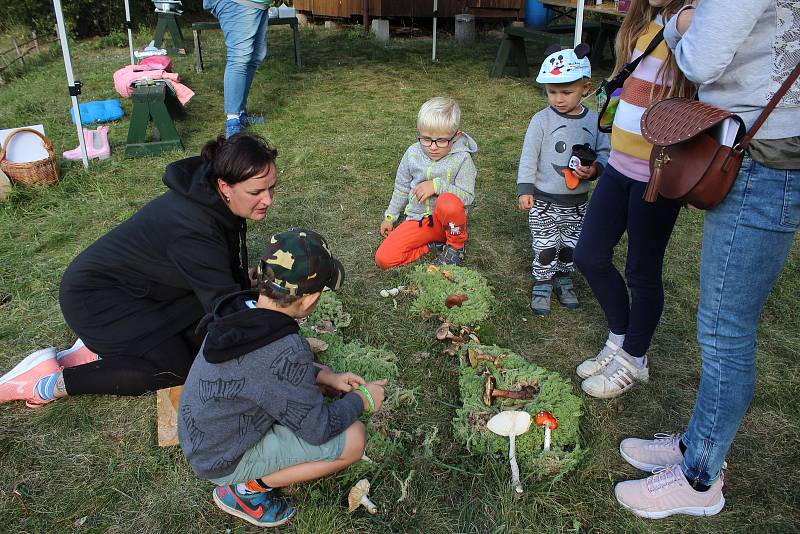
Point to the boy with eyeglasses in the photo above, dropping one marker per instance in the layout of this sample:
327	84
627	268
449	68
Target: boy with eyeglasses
435	185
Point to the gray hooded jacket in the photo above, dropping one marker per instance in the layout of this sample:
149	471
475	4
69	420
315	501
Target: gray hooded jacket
454	173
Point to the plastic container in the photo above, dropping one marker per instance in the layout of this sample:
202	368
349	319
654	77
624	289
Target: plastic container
536	15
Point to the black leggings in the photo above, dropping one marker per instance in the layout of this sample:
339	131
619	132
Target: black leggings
617	207
164	366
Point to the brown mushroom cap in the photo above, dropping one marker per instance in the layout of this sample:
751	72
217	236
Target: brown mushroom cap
356	493
443	331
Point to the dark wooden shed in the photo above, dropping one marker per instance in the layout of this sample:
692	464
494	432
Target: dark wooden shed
413	8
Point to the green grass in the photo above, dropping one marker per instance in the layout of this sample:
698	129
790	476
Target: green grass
341	124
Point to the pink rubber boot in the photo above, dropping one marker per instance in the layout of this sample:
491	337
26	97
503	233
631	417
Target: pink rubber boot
96	142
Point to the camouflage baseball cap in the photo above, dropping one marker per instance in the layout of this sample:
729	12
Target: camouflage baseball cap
298	262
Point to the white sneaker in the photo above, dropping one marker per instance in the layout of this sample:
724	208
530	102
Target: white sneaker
668	492
652	454
595	365
616	378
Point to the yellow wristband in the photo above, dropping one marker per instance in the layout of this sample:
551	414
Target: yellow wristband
388	218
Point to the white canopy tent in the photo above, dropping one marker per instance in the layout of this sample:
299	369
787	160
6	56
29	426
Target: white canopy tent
75	87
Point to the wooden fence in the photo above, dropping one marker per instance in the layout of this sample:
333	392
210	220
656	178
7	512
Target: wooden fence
32	46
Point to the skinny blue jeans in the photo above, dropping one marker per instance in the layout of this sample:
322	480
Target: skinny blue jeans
746	240
245	32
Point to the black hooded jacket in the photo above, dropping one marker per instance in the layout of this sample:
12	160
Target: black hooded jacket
171	260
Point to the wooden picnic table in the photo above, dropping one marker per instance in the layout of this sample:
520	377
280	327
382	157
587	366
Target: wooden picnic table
567	8
512	57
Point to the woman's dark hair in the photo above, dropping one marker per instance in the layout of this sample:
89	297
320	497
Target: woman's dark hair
238	158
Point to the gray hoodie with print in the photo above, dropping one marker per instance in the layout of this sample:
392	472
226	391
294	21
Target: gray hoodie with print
454	173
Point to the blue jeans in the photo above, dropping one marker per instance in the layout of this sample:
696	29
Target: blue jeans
746	240
245	31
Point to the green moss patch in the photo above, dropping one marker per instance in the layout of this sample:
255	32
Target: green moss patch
435	284
555	396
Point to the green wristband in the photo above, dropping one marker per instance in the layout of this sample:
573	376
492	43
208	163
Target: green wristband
368	395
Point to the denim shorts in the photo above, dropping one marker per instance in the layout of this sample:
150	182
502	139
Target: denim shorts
278	449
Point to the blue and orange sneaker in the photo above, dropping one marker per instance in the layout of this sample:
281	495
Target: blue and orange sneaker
263	509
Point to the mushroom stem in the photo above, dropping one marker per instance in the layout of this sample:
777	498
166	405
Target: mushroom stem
512	458
369	505
547	432
525	392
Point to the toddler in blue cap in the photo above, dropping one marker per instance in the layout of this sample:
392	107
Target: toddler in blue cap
563	150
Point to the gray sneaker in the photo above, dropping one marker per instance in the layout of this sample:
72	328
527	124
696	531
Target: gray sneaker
565	292
540	299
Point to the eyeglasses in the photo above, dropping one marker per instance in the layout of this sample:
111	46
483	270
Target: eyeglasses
440	142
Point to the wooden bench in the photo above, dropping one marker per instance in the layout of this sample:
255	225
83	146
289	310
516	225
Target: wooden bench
198	27
512	46
153	102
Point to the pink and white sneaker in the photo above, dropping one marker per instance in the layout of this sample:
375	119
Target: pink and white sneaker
20	382
77	354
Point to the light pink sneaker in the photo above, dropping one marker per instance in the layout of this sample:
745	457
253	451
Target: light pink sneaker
77	354
652	454
668	492
20	382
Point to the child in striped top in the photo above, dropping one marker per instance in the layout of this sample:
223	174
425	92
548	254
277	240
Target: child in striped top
632	305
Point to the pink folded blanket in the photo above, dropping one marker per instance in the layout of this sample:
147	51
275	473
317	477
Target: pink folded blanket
124	77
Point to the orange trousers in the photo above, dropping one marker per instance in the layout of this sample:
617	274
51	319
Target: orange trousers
410	239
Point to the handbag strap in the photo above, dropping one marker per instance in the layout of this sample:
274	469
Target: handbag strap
770	106
628	68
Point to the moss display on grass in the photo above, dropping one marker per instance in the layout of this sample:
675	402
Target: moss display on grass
434	284
555	396
329	316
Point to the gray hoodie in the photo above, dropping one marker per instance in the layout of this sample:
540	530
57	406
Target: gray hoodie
254	370
546	152
454	173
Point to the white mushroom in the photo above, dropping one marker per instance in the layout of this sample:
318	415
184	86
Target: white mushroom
511	424
384	293
359	497
394	291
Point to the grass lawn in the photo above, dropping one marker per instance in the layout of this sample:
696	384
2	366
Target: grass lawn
341	124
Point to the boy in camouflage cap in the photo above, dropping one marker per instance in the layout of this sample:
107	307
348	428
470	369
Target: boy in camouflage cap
252	414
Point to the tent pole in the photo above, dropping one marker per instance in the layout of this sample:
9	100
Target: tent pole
435	15
578	24
129	25
74	87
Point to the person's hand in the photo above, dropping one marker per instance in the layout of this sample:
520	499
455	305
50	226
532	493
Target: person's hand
376	390
386	228
586	172
424	190
525	202
251	274
343	382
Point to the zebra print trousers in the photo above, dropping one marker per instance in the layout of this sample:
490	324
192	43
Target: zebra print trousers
554	232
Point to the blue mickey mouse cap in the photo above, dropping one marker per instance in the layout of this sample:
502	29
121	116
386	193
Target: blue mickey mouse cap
565	66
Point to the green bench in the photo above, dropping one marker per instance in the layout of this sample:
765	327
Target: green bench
153	103
512	46
199	27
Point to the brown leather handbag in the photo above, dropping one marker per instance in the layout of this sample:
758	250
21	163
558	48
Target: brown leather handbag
688	161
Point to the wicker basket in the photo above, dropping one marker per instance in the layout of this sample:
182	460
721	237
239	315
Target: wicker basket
44	171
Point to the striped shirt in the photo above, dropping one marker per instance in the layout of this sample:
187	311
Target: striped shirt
630	152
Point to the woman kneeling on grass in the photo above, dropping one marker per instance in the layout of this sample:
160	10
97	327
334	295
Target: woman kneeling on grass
136	295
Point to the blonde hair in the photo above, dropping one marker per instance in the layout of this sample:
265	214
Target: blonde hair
439	114
639	16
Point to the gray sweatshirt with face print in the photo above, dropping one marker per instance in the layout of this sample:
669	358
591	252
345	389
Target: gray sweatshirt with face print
454	173
546	153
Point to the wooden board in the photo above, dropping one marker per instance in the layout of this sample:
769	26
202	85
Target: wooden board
167	415
606	8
